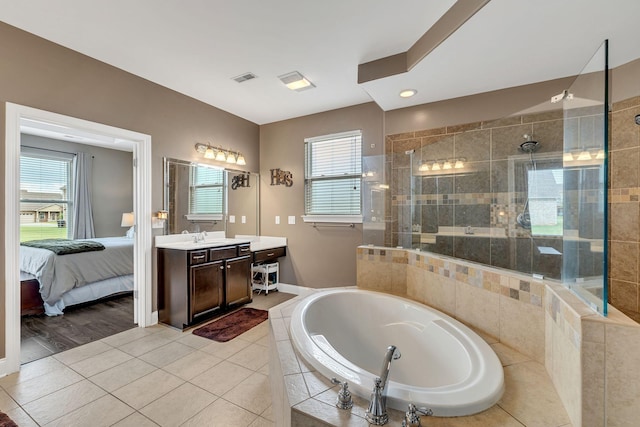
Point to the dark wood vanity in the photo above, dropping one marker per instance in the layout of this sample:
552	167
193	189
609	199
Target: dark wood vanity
197	284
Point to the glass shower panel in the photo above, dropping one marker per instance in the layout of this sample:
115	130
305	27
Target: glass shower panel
585	106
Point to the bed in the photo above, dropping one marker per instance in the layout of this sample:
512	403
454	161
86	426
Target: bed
71	279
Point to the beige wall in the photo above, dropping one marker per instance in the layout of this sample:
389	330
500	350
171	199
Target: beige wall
43	75
323	256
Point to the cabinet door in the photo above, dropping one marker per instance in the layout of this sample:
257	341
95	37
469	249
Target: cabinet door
238	283
206	289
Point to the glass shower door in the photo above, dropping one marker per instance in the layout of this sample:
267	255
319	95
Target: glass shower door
585	106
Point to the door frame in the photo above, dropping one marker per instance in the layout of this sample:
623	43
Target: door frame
141	144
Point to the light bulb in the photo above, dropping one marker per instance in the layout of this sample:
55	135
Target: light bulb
567	157
423	167
446	165
208	153
220	156
435	167
459	164
584	155
241	160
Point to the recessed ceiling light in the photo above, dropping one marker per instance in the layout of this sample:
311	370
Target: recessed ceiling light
296	81
408	93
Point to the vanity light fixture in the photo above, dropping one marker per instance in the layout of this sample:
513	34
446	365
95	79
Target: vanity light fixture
220	154
408	93
296	81
442	167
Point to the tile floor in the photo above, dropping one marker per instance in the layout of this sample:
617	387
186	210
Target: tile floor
155	376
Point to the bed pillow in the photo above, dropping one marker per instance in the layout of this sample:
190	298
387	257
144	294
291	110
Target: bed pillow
130	233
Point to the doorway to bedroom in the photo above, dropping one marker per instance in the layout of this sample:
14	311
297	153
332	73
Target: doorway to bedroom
132	145
69	191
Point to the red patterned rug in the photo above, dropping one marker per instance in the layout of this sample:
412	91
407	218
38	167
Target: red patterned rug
5	421
230	326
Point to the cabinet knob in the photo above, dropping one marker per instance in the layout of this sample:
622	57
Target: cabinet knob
228	266
221	267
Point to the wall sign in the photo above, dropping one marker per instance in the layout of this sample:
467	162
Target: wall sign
239	181
280	177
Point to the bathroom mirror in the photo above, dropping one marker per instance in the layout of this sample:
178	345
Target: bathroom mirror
201	197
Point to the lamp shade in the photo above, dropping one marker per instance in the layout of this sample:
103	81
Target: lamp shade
127	219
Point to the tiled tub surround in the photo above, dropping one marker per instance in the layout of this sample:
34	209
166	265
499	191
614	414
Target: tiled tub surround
593	362
304	398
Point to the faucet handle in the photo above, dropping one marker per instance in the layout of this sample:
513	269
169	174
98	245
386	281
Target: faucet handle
344	400
412	416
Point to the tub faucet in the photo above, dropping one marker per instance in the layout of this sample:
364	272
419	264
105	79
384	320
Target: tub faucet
377	412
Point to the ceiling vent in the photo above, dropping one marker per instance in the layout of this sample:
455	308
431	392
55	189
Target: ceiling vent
244	77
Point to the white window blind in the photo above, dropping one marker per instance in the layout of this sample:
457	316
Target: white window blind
206	195
46	189
333	173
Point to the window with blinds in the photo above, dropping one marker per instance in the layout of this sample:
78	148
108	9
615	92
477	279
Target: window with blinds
333	173
45	194
206	193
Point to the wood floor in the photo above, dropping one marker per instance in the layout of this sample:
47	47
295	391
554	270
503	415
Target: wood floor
43	336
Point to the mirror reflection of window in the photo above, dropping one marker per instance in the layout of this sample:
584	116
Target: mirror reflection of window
545	201
206	191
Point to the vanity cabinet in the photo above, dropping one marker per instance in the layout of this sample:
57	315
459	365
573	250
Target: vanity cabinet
195	285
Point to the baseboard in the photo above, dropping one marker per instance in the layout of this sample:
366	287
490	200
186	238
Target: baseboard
3	367
154	318
291	289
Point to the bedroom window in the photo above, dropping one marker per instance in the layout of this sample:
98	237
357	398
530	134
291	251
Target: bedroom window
333	174
206	194
45	192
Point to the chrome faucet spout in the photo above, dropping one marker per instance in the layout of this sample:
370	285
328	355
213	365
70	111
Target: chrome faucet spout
377	412
392	354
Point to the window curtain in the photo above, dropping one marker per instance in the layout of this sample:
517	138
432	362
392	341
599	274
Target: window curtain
83	214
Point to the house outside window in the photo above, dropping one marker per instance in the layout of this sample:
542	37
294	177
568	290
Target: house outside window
333	177
45	191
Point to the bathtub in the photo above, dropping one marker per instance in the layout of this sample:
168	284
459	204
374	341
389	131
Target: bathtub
444	365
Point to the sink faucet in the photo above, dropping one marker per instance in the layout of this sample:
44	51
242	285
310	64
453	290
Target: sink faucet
377	412
199	237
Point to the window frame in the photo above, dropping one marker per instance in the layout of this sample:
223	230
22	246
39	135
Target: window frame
59	156
310	179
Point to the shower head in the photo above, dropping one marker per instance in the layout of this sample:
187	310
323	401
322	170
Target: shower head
529	146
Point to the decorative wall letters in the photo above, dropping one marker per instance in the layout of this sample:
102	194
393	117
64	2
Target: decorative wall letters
280	177
240	181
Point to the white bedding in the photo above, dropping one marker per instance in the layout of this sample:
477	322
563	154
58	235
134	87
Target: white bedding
58	274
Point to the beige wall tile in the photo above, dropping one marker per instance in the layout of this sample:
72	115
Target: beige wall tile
622	359
624	222
522	327
624	168
478	307
440	292
593	384
565	371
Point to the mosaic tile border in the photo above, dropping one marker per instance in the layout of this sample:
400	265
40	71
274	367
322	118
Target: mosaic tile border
525	291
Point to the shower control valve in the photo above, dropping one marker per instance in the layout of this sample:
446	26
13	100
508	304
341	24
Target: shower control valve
344	400
412	416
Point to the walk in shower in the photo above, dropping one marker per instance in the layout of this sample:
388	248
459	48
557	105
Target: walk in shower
526	192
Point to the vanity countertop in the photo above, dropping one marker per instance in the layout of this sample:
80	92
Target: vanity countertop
185	242
188	245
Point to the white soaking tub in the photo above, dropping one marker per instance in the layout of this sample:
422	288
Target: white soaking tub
444	365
